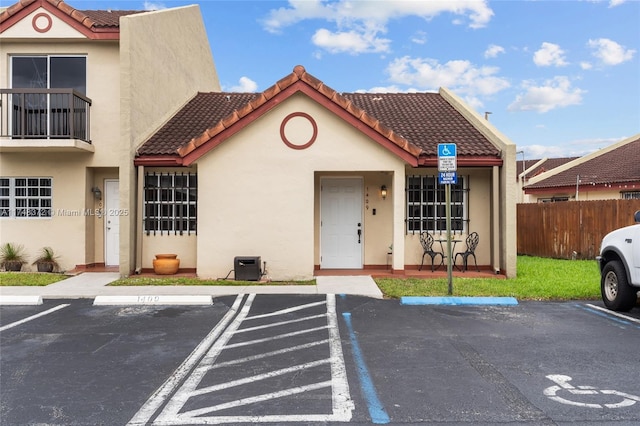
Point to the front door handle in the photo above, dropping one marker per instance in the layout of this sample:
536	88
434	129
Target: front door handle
359	232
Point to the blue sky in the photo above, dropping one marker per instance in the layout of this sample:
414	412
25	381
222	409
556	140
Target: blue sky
560	78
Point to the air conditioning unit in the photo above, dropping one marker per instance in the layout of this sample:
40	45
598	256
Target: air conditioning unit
247	268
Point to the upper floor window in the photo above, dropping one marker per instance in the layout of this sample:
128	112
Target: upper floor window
427	208
24	197
49	72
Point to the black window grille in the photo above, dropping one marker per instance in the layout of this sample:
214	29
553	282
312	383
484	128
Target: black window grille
170	203
426	205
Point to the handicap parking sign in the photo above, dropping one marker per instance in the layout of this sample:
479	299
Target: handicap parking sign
447	157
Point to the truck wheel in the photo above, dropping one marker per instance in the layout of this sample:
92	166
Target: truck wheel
617	294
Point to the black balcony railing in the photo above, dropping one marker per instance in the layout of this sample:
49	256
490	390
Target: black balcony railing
44	114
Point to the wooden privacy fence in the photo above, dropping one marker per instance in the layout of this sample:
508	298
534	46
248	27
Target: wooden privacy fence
572	229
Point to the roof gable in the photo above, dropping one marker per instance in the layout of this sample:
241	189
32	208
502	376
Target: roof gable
618	164
409	125
94	24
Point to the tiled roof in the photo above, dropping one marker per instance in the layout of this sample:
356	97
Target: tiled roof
425	120
200	113
415	122
546	165
95	20
619	165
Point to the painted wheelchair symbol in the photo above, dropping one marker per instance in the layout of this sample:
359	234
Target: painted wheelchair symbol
446	151
563	387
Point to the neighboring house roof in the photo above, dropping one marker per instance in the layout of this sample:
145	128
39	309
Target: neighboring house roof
618	164
409	124
95	24
535	167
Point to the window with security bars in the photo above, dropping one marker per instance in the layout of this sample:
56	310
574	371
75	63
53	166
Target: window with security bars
170	203
427	208
26	197
631	195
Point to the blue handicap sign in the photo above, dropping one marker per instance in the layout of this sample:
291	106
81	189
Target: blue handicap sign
447	150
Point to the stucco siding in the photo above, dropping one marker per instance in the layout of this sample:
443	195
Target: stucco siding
257	195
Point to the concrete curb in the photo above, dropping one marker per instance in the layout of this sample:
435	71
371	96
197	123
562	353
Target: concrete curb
154	300
459	301
20	300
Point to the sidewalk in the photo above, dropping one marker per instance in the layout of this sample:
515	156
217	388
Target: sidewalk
93	284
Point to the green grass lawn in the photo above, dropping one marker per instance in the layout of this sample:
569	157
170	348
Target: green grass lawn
29	278
138	281
538	279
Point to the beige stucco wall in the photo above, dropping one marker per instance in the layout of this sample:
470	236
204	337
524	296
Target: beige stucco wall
257	196
166	59
479	204
185	246
585	195
76	231
135	84
72	208
503	192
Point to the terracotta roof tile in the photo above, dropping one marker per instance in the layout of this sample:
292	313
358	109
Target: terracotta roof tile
95	20
414	122
616	166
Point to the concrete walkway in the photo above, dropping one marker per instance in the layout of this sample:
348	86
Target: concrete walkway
93	284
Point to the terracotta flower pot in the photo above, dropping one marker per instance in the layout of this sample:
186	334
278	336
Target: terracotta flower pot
166	264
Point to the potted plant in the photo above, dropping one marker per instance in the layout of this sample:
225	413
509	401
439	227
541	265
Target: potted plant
12	257
47	261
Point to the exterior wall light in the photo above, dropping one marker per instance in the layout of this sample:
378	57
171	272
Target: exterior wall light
97	193
383	192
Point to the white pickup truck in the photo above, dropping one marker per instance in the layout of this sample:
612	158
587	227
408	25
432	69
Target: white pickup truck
619	263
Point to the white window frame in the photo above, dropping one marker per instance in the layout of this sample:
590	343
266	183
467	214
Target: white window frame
12	194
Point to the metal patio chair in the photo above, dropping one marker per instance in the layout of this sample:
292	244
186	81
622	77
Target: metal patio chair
427	240
472	244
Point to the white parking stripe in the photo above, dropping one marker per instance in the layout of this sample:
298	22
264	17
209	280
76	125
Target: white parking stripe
258	377
32	317
268	354
277	324
628	318
188	415
286	311
341	403
158	398
280	336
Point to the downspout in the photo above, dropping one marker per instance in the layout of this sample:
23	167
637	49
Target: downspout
139	219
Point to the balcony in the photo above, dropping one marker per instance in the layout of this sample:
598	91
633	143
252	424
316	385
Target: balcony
37	120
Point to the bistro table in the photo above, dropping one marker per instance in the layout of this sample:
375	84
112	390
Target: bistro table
453	249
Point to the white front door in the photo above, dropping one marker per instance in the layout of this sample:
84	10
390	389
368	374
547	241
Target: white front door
111	223
341	234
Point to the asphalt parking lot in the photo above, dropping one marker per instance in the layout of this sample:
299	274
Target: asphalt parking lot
315	359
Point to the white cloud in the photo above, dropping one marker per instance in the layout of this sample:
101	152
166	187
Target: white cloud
614	3
555	93
586	65
245	85
609	52
460	76
352	42
420	37
359	23
493	51
148	5
549	54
